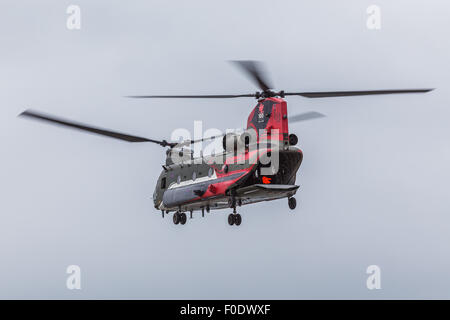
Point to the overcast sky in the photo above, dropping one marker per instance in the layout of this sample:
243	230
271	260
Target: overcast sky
373	183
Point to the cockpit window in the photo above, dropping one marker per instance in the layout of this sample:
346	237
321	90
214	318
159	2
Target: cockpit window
163	183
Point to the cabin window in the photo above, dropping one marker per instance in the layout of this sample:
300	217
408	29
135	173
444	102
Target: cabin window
163	183
194	176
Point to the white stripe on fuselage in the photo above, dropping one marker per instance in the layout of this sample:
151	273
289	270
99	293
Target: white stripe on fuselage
175	185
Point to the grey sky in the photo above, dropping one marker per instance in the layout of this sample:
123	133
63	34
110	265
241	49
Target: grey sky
374	181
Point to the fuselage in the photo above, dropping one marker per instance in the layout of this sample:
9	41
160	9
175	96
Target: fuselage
210	182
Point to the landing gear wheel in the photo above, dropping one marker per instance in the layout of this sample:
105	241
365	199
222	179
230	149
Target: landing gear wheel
293	140
176	218
231	219
292	203
237	219
183	218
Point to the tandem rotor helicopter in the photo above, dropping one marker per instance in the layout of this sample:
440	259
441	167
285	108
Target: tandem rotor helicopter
222	180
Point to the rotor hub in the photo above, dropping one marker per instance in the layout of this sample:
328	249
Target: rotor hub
269	94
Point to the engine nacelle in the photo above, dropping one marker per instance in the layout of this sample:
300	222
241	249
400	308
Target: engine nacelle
178	155
230	142
238	141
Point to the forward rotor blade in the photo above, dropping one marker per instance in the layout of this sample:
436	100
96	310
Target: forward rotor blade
306	116
255	70
188	142
328	94
207	96
76	125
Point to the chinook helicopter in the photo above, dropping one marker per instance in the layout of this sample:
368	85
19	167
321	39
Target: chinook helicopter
245	171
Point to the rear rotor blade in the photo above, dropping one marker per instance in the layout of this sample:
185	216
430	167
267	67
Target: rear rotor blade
207	96
306	116
255	70
328	94
76	125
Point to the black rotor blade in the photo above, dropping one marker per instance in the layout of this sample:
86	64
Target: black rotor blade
328	94
255	70
188	142
306	116
208	96
205	139
76	125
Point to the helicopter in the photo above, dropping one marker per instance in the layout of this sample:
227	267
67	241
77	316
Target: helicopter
258	164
